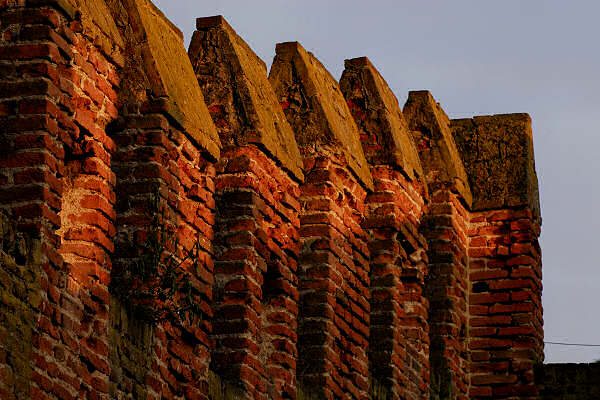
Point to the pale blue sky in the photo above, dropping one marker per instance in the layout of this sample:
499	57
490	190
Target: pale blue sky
477	57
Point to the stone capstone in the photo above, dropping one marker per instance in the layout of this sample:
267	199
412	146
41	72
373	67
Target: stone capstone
497	152
156	61
237	91
383	129
315	107
98	24
430	127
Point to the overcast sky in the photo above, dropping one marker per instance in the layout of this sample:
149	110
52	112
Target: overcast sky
477	57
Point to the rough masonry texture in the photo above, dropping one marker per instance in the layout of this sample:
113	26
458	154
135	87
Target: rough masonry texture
328	243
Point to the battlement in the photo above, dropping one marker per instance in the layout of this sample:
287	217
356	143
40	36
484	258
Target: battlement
187	224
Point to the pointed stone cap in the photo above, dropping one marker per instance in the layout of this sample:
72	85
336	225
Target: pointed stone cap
240	98
384	132
315	107
497	152
97	24
430	128
156	62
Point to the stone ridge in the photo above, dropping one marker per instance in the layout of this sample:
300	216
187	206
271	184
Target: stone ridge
316	108
99	26
497	152
384	131
430	127
168	71
218	21
186	102
238	93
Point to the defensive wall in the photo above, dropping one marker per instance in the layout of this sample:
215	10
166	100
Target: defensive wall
189	225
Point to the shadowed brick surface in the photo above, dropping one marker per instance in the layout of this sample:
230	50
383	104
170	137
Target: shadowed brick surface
568	381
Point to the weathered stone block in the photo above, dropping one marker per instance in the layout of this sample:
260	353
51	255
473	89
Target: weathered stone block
157	61
316	109
497	152
384	132
430	127
238	93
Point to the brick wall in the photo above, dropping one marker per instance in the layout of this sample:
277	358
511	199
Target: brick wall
20	291
75	66
59	87
398	337
445	228
505	304
167	148
257	251
340	247
184	185
398	333
568	381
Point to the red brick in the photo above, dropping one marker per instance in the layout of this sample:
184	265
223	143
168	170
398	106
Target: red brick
485	298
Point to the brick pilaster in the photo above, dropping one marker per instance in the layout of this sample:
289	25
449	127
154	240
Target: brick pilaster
334	265
445	227
505	259
398	338
257	243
